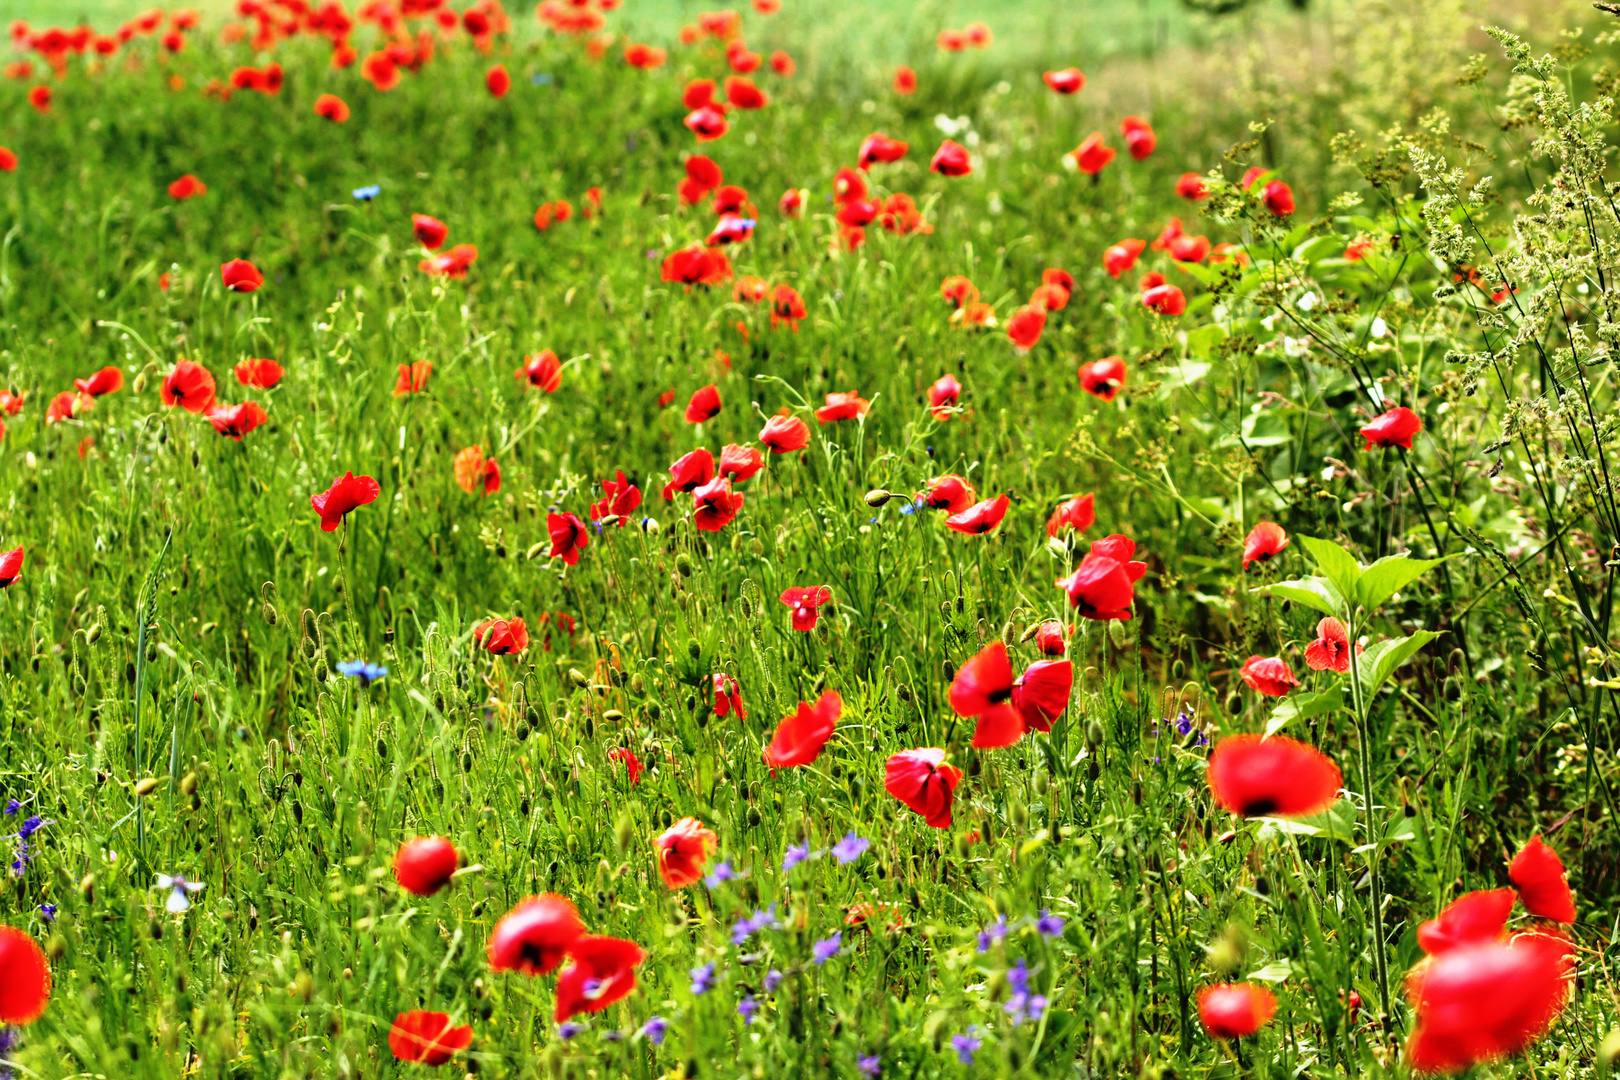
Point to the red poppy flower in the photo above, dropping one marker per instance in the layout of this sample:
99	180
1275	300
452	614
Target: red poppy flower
259	373
943	396
1103	378
900	216
1471	918
430	232
705	405
189	385
1172	229
977	34
727	696
744	94
1139	137
423	866
502	637
683	850
569	536
331	107
11	563
645	57
698	93
1067	81
10	403
239	275
1053	275
732	199
1191	186
849	185
983	689
1484	1001
25	978
106	381
1165	300
707	123
1331	649
739	463
950	493
475	474
8	160
534	936
951	159
844	406
412	377
1024	327
64	406
188	186
980	518
1538	874
601	971
730	229
1051	638
1189	249
1122	256
922	781
1078	513
347	493
1394	428
951	40
697	265
543	371
791	204
498	81
905	80
427	1037
783	64
878	147
690	472
959	291
806	601
742	59
787	306
632	764
1100	588
1264	541
235	421
800	737
40	98
785	433
1279	198
620	498
1270	675
1272	777
1235	1010
1092	156
716	505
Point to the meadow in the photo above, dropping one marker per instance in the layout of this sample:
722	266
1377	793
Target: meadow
632	540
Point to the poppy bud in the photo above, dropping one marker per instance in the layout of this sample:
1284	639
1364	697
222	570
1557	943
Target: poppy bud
1608	1052
146	786
950	670
140	383
683	563
1119	635
87	887
93	635
188	783
878	497
1094	734
269	613
537	550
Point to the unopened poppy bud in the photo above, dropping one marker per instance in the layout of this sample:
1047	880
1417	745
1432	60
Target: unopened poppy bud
683	563
1018	814
536	550
878	497
80	598
1094	733
146	786
1608	1053
93	635
56	947
964	845
268	610
1029	631
1042	782
188	783
577	677
757	547
613	716
140	383
949	669
624	833
87	887
1119	634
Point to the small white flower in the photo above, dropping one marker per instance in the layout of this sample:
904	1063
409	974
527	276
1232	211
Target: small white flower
1379	327
180	898
946	125
1307	302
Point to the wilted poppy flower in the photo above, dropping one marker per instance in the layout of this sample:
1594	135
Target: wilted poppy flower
943	396
715	505
1394	428
632	764
235	421
697	265
427	1038
951	159
905	80
806	601
348	492
1331	649
1471	918
707	123
25	978
1051	638
423	866
1103	378
569	536
922	780
980	518
331	107
601	971
259	373
983	689
739	463
1235	1010
705	405
189	385
1272	777
543	371
1122	256
878	147
239	275
476	474
690	472
1100	588
791	204
1139	137
744	94
187	187
1268	675
1279	198
620	498
683	850
783	64
800	737
950	493
64	406
1024	327
1191	186
1078	513
1091	156
843	406
785	433
106	381
11	563
1165	300
727	696
1189	249
534	936
1067	81
1485	1001
430	232
1538	874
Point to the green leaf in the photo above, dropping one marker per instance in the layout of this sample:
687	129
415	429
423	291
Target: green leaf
1205	338
1303	707
1337	565
1315	593
1265	428
1388	576
1379	662
1277	971
1337	822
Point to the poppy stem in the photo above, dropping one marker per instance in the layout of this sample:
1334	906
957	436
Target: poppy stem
1375	890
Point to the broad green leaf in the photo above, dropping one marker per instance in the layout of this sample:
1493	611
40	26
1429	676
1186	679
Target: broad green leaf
1266	428
1315	593
1303	707
1200	341
1337	822
1337	565
1401	829
1275	972
1379	662
1319	248
1388	576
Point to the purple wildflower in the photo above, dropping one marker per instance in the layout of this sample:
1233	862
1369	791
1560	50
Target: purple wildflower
827	948
850	848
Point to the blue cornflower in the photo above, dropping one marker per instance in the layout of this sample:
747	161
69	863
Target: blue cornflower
1183	723
721	872
1022	1003
850	848
1049	924
993	933
966	1045
359	669
367	193
702	979
827	948
796	854
741	931
773	979
869	1065
541	78
747	1007
913	506
613	1035
568	1031
653	1030
48	912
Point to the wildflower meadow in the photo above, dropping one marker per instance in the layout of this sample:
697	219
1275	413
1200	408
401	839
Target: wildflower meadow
818	539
